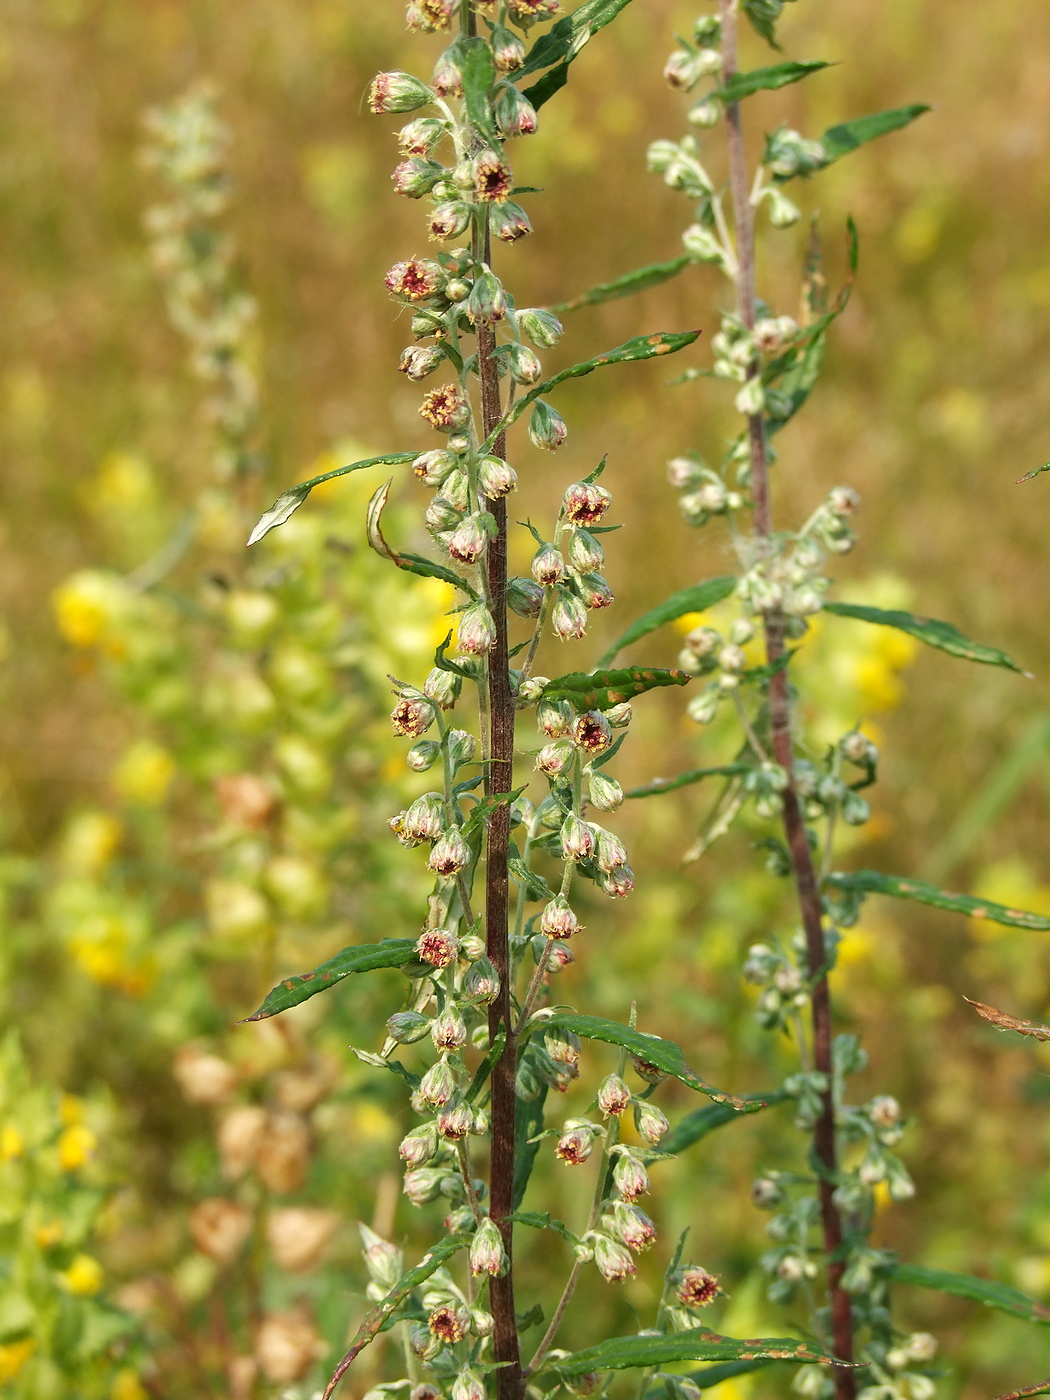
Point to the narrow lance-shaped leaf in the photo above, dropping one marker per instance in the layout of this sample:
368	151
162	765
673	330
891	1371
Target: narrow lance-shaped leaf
839	141
365	957
715	1375
479	74
665	1055
640	280
1036	471
374	1319
601	690
697	1344
695	775
993	1295
688	600
942	635
696	1125
411	563
640	347
287	504
763	15
1002	1021
528	1125
742	85
541	1220
1038	1388
874	882
562	43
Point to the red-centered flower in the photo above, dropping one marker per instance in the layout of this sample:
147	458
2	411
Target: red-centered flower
532	9
429	15
574	1147
585	503
592	732
416	280
411	717
443	407
446	1325
697	1288
492	179
437	947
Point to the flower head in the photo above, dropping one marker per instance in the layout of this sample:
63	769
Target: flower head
437	947
697	1288
613	1260
575	1146
397	92
592	732
492	178
445	408
411	716
416	280
447	1324
487	1254
585	503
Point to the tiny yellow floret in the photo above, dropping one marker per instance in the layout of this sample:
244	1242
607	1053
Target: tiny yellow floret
12	1144
127	1386
83	1277
75	1146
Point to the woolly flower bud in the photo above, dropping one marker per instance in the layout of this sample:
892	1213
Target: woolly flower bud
630	1177
697	1288
450	854
481	983
613	1260
592	732
783	212
614	1097
568	616
524	597
508	51
577	839
456	1122
651	1123
447	78
584	503
407	1027
411	716
467	542
419	1146
575	1146
437	947
492	179
553	759
509	222
448	1324
617	883
542	327
585	553
751	399
633	1226
425	819
604	792
546	427
619	716
884	1111
416	280
468	1385
842	501
437	1086
420	360
515	115
397	92
487	302
681	71
548	566
419	136
487	1255
445	408
558	919
610	852
594	591
449	220
683	473
442	687
416	177
477	631
524	365
554	718
702	244
496	477
448	1031
705	113
560	956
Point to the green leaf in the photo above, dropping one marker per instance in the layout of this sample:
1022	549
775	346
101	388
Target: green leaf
1036	471
640	280
1039	1388
541	1220
796	383
485	808
474	58
839	141
695	775
763	15
287	504
701	1121
874	882
17	1315
654	1050
742	85
363	957
942	635
993	1295
534	885
688	600
483	1070
562	43
528	1124
639	347
697	1344
102	1326
411	563
715	1375
601	690
372	1325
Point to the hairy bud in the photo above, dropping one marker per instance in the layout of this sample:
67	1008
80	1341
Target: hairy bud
524	365
577	839
613	1260
558	919
438	1085
651	1123
542	327
524	597
548	566
604	792
568	616
487	1255
411	716
448	1031
419	1146
425	819
630	1177
397	92
546	427
614	1097
477	631
697	1288
407	1027
437	947
449	220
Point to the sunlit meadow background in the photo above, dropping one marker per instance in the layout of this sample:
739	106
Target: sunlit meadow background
934	401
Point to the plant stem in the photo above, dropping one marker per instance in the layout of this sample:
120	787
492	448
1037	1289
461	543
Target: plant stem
780	724
498	775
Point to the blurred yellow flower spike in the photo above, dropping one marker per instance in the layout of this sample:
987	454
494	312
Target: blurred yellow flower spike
87	607
75	1145
13	1357
83	1277
12	1144
144	774
127	1386
90	842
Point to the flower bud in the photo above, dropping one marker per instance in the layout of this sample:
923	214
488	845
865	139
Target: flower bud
584	503
495	477
419	1146
419	136
585	553
524	597
466	543
568	616
617	883
423	1184
455	1123
592	732
487	1255
425	819
577	839
448	1031
384	1260
681	71
432	468
610	852
630	1177
921	1346
604	792
411	716
697	1288
420	360
548	566
514	113
856	810
554	759
477	631
481	983
702	244
448	1324
492	179
783	212
575	1146
684	472
751	399
766	1193
406	1027
524	365
546	427
457	289
558	919
542	327
560	956
442	687
703	708
594	591
441	515
487	302
438	1085
614	1097
447	77
437	947
705	113
397	92
651	1123
554	717
843	500
415	177
508	51
468	1385
613	1260
619	716
449	220
445	408
884	1111
633	1227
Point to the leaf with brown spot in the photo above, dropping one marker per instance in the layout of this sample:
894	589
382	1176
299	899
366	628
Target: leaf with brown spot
363	957
1004	1022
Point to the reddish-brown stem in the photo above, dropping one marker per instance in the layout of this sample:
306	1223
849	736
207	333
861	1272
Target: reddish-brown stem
806	886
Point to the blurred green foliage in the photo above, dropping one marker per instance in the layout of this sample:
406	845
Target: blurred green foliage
152	894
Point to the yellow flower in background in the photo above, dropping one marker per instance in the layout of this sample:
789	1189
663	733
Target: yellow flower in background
1013	883
75	1146
12	1144
13	1357
87	605
122	485
83	1277
71	1109
100	945
127	1386
90	842
144	774
49	1234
